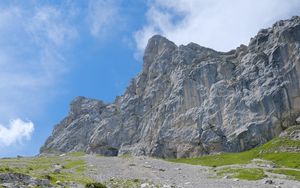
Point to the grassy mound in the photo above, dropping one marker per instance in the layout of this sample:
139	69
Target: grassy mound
72	168
242	173
274	150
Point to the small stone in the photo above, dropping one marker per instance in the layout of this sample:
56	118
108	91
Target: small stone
226	177
57	168
235	179
269	182
59	183
298	120
145	185
162	170
147	166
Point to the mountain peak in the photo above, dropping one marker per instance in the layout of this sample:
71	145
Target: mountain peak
157	45
191	101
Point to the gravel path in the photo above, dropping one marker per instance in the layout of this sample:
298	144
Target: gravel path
167	173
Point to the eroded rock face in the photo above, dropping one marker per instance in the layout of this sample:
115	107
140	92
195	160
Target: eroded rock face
191	100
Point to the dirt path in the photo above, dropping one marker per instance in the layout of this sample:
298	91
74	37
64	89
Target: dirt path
168	174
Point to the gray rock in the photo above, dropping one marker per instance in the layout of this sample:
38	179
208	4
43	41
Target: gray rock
57	168
191	100
269	182
13	180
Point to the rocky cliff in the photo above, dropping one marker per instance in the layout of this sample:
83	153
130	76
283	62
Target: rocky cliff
190	100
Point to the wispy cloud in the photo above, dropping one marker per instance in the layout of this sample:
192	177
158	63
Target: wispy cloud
16	132
219	24
103	17
50	24
34	39
32	64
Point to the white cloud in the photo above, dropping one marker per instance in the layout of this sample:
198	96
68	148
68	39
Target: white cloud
35	38
16	132
103	16
49	24
31	57
219	24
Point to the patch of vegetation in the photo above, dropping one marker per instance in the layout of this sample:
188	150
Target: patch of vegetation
76	154
95	185
293	174
219	159
284	159
78	165
279	144
126	156
72	168
127	183
274	150
5	169
242	173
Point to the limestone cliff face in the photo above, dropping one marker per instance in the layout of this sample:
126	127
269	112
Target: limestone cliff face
191	100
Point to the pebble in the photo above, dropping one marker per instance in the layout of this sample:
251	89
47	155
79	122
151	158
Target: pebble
147	166
269	182
59	183
145	185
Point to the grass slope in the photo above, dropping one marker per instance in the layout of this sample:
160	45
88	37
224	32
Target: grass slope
281	151
73	168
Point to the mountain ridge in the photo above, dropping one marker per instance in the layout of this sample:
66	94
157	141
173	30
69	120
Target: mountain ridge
190	100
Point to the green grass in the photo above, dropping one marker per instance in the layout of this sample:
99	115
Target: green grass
274	150
219	159
293	174
95	185
42	167
127	183
76	154
284	159
242	173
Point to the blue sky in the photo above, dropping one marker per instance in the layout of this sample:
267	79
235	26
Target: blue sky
52	51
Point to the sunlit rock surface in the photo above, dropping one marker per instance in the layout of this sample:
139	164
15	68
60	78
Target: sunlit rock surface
191	100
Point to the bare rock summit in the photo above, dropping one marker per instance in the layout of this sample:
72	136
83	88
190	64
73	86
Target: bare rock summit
190	100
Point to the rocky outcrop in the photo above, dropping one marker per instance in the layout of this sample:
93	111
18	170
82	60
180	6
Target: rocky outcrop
190	100
17	180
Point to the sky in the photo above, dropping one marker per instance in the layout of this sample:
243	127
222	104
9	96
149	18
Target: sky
52	51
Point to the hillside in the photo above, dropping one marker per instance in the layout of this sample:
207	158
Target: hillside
274	164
